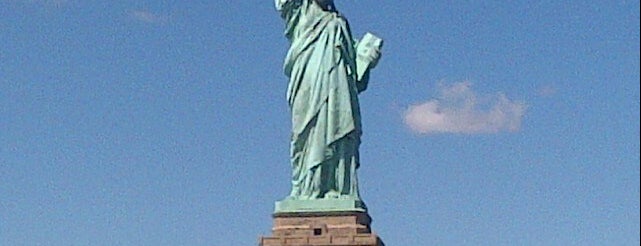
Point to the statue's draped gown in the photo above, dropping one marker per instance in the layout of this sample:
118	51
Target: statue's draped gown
323	96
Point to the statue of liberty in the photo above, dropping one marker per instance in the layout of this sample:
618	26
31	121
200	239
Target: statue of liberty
327	69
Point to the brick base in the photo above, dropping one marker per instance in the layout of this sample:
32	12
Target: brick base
322	229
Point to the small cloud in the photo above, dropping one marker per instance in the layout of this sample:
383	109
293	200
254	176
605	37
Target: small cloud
147	17
547	91
50	3
458	110
57	3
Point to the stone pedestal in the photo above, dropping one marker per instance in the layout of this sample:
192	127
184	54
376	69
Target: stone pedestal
322	229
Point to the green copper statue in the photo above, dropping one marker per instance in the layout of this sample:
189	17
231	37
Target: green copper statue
327	69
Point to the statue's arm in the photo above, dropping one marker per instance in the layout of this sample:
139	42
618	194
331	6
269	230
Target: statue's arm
284	5
279	4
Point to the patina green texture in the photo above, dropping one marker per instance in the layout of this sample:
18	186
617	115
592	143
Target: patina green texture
327	69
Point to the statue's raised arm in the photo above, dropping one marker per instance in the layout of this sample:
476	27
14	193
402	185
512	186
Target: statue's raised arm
283	5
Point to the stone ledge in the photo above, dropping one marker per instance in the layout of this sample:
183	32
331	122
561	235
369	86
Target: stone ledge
319	206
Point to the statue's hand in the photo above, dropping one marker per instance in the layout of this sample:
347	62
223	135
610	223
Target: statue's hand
370	55
368	52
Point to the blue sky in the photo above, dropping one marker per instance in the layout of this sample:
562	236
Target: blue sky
166	123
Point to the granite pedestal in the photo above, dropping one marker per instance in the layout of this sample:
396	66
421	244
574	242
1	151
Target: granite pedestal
333	228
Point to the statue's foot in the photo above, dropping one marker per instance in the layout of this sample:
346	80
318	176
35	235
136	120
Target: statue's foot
332	195
290	198
349	197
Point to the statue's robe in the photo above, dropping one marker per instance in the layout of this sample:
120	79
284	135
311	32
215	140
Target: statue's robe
323	96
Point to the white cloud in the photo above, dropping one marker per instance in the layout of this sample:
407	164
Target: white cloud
57	3
547	91
459	110
146	16
49	3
